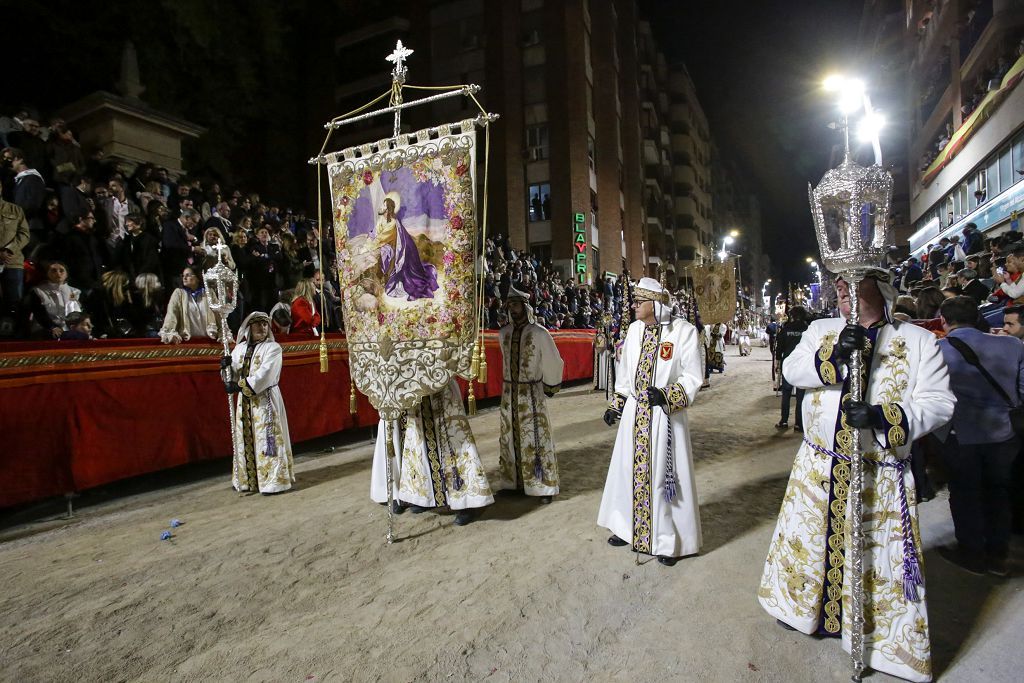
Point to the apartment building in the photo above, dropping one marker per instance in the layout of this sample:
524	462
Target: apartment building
598	135
966	115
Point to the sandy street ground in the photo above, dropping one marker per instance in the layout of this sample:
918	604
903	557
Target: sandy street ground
300	587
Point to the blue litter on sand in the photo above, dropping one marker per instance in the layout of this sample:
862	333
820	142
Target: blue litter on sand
166	536
175	523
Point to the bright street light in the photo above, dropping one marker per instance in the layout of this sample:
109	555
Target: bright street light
870	126
727	241
853	97
734	233
722	254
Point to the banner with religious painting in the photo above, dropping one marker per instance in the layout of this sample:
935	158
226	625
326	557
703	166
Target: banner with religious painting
714	284
406	232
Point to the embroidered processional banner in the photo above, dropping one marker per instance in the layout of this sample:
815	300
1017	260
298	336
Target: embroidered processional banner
714	284
406	231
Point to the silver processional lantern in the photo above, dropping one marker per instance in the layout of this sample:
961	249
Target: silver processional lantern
850	207
221	294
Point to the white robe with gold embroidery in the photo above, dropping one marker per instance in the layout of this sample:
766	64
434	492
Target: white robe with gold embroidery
908	379
652	443
378	472
532	366
440	462
263	449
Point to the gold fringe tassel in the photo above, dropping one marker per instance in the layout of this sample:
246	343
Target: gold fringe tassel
474	363
323	353
353	406
481	374
472	399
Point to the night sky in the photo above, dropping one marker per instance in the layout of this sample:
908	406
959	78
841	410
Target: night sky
758	67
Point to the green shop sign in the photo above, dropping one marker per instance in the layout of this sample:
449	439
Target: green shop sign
579	239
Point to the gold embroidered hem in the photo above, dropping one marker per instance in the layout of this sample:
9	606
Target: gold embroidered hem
642	441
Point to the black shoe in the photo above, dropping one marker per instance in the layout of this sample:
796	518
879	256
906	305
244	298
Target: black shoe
782	425
417	509
544	500
798	428
616	542
668	561
397	508
972	564
784	625
463	518
997	566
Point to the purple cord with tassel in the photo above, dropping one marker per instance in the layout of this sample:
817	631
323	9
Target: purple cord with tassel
670	469
912	577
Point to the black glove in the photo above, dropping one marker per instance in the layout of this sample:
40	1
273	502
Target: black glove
851	339
655	398
863	415
225	362
231	388
610	417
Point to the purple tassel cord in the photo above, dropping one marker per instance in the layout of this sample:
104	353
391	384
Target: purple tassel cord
271	441
912	576
670	470
538	468
670	487
457	479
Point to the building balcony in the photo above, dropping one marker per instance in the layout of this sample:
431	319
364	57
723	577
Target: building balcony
686	206
683	143
687	237
666	140
651	157
684	175
654	225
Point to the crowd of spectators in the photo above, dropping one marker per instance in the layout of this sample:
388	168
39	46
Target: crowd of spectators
990	78
987	270
557	303
125	249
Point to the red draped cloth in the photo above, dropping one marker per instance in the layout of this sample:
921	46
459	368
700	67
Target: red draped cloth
75	415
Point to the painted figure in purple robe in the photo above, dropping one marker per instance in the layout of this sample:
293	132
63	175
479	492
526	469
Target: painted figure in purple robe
405	273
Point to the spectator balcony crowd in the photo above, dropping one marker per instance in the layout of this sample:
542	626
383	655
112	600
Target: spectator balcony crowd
105	252
102	252
558	304
987	270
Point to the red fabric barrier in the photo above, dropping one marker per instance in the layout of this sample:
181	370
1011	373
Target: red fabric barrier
78	415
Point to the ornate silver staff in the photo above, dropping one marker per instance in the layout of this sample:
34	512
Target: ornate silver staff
850	207
221	292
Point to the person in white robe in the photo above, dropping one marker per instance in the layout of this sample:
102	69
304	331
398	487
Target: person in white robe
907	395
378	472
743	341
650	496
440	462
716	347
532	370
702	343
263	447
602	356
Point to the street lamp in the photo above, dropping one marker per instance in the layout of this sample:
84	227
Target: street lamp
726	241
817	276
853	96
